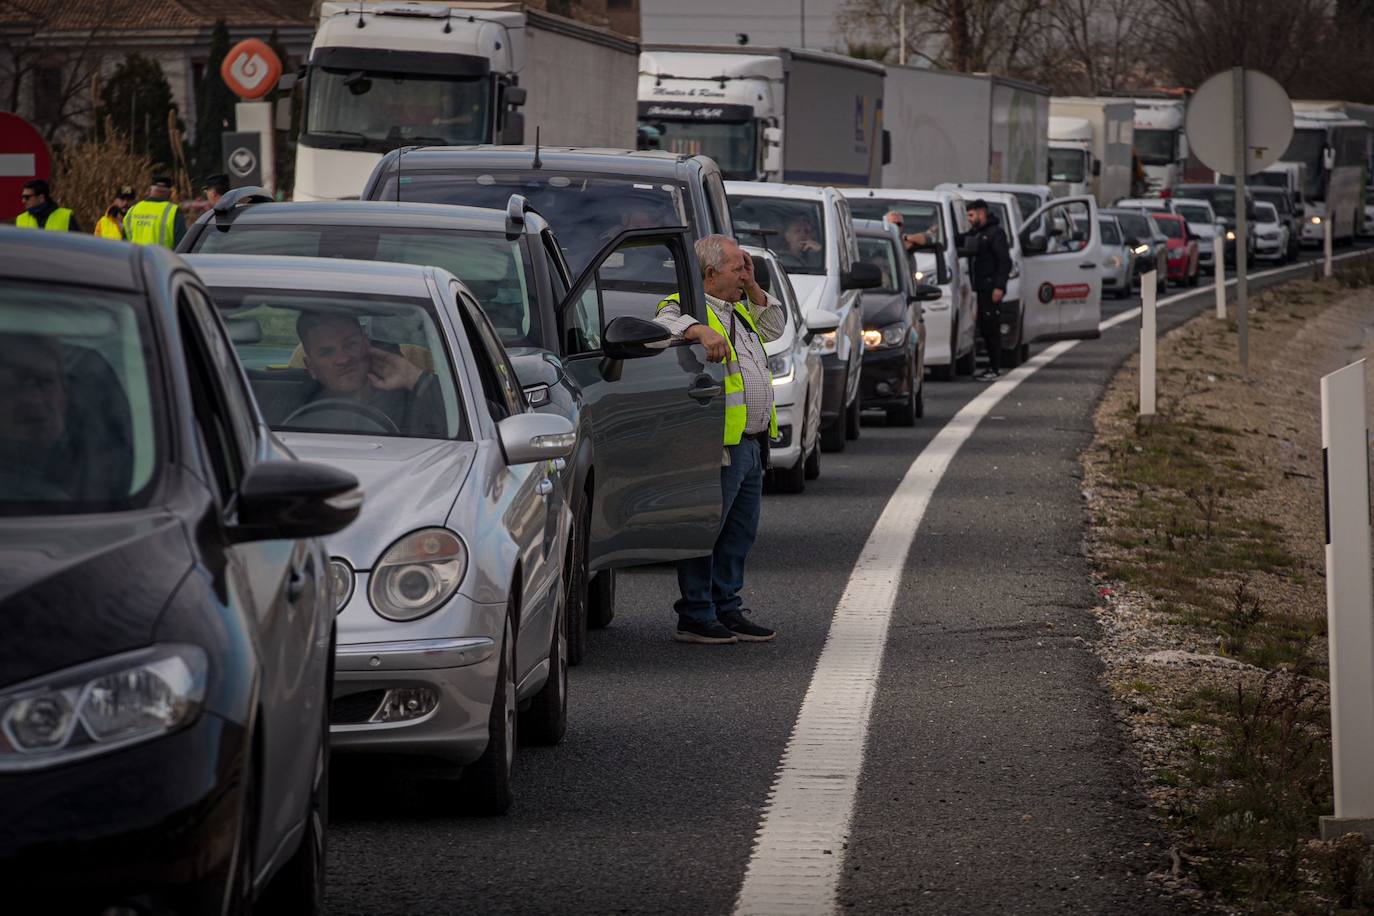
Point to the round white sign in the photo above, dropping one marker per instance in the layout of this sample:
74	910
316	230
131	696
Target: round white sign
1211	126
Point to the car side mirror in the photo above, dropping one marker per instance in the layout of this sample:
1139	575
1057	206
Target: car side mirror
628	337
926	293
280	500
537	373
530	437
821	321
862	275
1031	245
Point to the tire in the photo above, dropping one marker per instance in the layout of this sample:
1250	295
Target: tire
299	886
546	720
906	414
601	600
576	602
852	420
1025	352
832	436
486	785
813	463
791	480
966	364
943	373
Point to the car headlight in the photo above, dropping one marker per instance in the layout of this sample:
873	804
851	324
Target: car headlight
781	368
99	706
884	338
340	582
825	344
1114	261
919	276
1230	235
1142	249
417	574
1316	220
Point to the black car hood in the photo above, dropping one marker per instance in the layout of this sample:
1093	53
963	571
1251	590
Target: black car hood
882	309
83	587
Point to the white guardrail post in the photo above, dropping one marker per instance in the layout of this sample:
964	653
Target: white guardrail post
1148	293
1326	247
1349	601
1219	277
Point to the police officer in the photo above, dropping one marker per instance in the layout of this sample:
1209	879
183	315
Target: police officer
155	220
740	319
41	212
215	187
111	225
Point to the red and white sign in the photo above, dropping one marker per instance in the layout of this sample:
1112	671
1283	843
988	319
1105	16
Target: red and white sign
1072	291
250	69
23	157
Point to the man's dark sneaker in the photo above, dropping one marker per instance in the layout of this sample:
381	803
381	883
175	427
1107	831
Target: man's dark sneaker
989	375
745	629
709	633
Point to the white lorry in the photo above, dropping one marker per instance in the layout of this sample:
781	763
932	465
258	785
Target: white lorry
1160	142
1091	148
984	129
765	114
390	73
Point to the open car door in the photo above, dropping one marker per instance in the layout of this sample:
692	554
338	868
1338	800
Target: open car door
1061	272
656	407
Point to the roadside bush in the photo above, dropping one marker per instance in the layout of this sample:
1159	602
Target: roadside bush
86	175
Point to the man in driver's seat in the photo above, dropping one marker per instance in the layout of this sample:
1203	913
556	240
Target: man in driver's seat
349	367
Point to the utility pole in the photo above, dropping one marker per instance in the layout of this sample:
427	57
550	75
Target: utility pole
1241	172
901	33
803	23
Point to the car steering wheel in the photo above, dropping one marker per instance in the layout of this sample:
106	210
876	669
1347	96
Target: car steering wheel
366	411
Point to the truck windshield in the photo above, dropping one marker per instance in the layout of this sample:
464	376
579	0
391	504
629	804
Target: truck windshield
586	211
496	269
731	145
1066	164
1306	148
378	111
794	229
1153	146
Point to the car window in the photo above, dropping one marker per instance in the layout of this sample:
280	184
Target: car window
499	382
1027	203
793	229
1193	214
335	362
210	402
999	210
496	268
1172	228
225	365
882	254
720	205
1266	212
588	211
80	425
1111	235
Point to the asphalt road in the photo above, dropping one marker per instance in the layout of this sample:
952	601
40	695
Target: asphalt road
994	778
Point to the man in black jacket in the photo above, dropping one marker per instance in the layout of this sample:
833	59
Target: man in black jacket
985	244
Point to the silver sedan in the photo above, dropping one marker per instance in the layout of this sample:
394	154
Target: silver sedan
449	587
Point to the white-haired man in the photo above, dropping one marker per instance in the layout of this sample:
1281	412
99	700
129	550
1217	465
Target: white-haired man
741	319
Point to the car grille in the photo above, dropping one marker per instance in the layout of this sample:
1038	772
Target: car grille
356	707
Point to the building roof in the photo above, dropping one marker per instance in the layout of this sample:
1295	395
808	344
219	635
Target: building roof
152	15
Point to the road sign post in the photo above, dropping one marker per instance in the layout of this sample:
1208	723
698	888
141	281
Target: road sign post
1349	601
1148	338
1240	172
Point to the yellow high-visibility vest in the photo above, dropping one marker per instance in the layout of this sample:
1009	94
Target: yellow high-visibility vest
736	412
108	228
59	220
151	222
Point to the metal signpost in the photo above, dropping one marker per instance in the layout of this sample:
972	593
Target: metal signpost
1239	122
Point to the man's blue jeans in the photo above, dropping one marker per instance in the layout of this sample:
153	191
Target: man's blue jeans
710	585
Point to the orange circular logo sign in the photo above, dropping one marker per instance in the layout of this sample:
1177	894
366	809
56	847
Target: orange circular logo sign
250	69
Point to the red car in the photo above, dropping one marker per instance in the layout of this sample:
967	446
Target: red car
1183	251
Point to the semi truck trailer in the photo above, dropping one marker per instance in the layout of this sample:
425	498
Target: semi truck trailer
1091	148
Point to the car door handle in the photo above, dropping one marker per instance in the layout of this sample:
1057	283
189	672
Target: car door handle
705	388
1087	265
545	487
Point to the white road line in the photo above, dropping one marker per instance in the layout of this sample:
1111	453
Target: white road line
799	849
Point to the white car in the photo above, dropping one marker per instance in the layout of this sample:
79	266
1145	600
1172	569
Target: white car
810	231
1203	224
951	320
795	455
1029	197
1271	235
1162	204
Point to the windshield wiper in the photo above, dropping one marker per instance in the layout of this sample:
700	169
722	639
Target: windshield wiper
352	134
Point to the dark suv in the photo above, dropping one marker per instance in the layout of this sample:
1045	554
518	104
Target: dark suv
648	428
586	195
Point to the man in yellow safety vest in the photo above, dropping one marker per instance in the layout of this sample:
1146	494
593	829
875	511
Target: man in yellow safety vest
155	220
740	319
41	212
111	225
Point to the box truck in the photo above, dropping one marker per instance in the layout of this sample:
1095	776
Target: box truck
1160	142
1091	148
964	128
765	114
384	74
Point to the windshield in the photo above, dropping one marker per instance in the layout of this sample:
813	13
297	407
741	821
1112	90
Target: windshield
917	215
731	145
1223	200
1278	199
380	111
587	212
344	362
1111	234
1266	213
1193	213
882	254
1154	147
1172	228
1135	225
1027	203
1265	179
78	423
1067	165
999	210
495	268
794	229
1306	147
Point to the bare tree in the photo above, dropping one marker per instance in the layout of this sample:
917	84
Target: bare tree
1285	38
964	35
1097	47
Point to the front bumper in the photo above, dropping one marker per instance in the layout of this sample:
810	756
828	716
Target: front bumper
153	827
1178	269
1272	248
886	380
785	451
1312	233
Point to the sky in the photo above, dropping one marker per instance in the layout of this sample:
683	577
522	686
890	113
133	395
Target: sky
767	22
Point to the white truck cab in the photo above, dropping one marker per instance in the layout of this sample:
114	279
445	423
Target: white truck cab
1160	142
1072	163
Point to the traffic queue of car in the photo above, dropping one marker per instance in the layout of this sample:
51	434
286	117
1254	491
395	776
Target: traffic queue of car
378	461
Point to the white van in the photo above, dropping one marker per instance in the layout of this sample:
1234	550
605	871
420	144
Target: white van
1030	197
1022	321
951	320
1061	258
812	234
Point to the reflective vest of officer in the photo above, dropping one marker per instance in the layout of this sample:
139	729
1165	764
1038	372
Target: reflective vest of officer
108	228
736	413
151	222
59	220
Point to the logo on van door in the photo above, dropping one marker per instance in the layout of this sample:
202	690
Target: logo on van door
1048	292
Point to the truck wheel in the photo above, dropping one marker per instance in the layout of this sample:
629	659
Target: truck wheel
852	425
601	600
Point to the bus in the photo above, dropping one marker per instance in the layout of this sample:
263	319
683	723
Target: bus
1334	153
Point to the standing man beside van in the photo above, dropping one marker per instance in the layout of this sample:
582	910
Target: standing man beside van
156	219
741	318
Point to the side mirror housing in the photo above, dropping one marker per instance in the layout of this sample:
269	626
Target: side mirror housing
821	321
295	499
862	275
926	293
537	373
628	337
530	437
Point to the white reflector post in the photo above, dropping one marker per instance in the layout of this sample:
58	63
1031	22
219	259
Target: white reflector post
1349	601
1326	245
1148	292
1219	277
